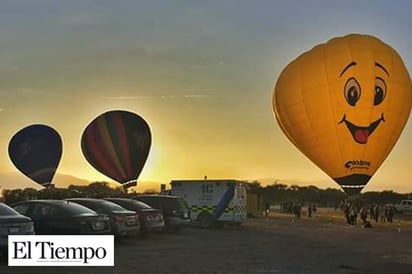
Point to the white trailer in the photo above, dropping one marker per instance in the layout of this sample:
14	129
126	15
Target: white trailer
213	201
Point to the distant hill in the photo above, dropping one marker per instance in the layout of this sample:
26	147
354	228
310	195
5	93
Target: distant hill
289	182
14	180
398	187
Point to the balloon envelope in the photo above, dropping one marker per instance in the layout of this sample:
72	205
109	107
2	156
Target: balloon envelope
36	151
344	104
117	144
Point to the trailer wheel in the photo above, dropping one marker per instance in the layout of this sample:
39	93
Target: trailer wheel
205	220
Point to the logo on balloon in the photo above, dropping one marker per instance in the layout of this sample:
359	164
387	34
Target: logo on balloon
348	98
357	164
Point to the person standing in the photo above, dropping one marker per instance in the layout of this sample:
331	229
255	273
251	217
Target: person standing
310	211
376	213
267	209
314	209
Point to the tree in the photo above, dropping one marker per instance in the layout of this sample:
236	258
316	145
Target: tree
29	193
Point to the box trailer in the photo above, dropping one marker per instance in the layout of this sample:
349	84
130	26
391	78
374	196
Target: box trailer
213	202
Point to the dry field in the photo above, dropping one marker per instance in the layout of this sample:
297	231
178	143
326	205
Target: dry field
281	244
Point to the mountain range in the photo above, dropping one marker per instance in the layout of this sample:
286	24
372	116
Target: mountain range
15	180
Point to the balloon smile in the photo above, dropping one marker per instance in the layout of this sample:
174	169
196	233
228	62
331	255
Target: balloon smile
361	134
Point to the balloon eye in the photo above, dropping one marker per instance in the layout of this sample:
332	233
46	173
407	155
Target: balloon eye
352	91
380	91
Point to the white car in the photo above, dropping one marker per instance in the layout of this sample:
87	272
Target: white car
404	206
13	223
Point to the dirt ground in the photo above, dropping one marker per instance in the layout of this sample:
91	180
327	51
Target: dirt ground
280	244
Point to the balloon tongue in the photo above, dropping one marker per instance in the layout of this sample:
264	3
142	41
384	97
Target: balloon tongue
361	135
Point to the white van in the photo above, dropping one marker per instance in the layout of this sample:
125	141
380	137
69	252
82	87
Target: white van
213	201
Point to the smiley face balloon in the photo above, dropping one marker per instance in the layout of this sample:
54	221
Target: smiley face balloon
344	104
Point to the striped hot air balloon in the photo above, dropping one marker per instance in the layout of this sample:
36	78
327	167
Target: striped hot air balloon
117	144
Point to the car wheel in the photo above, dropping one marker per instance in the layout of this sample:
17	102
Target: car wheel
205	220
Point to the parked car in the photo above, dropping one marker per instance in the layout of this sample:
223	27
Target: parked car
123	222
404	206
151	219
55	217
13	223
174	209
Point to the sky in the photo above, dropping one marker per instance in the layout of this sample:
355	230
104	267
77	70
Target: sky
201	73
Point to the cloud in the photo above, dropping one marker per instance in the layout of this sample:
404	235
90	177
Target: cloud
143	97
164	97
26	90
82	19
200	96
10	68
20	91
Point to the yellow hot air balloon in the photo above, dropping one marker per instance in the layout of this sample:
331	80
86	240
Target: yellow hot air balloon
344	104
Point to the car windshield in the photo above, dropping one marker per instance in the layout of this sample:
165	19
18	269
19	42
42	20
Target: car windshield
141	205
153	202
102	205
7	211
167	204
180	204
75	209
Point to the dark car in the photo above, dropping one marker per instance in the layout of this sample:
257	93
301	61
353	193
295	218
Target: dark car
151	219
123	222
55	217
13	223
174	209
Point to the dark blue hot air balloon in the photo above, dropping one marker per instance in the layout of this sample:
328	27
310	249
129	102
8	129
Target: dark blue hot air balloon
36	151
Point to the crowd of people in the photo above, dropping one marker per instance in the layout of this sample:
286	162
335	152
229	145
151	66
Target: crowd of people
353	210
368	213
296	208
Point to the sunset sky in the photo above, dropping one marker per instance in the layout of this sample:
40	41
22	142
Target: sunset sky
201	73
